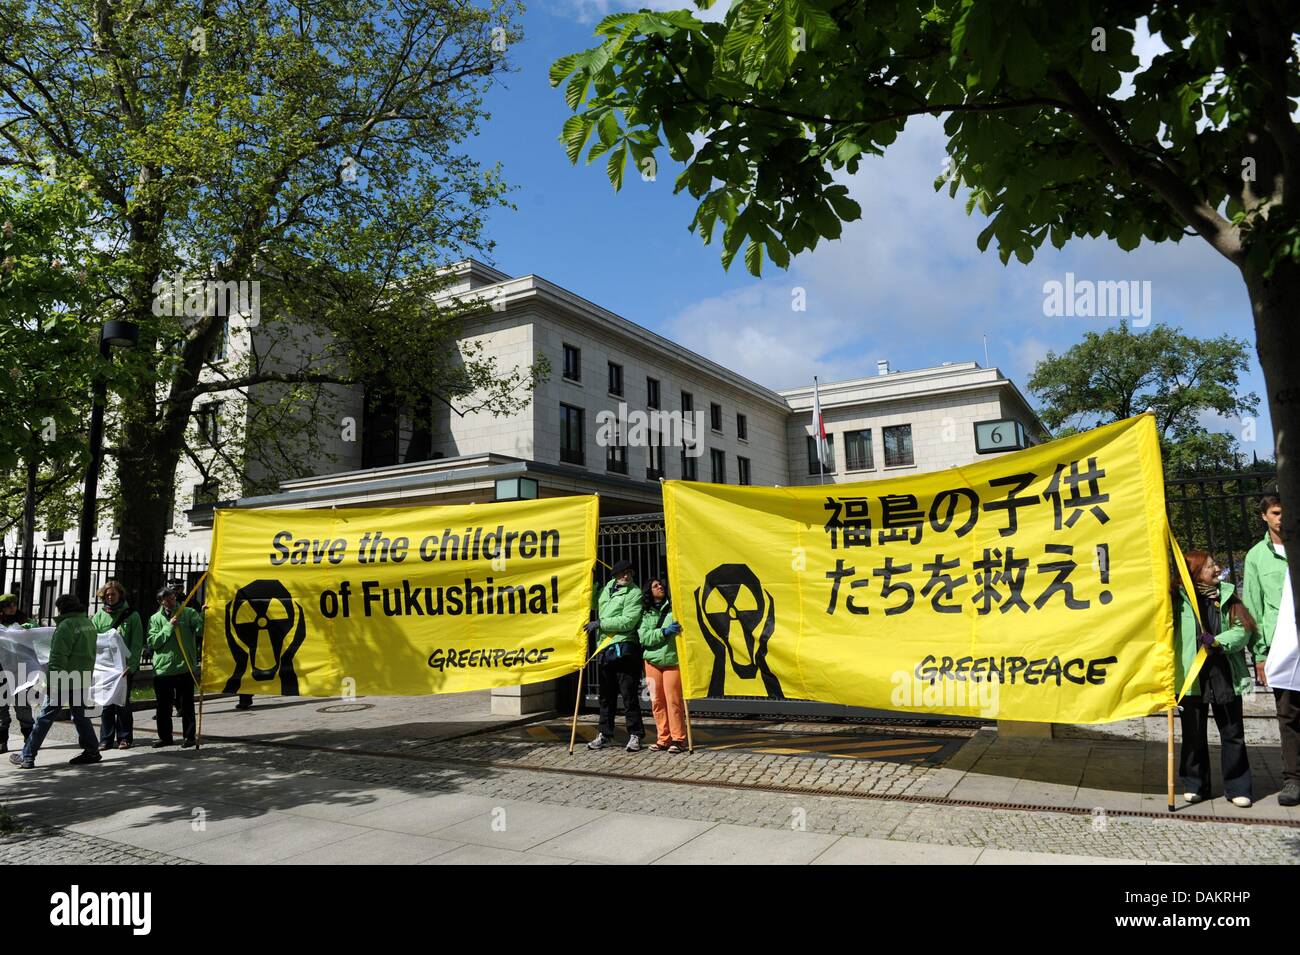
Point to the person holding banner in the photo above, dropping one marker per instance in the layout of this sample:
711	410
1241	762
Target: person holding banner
1223	678
11	616
618	610
117	723
174	634
658	634
68	680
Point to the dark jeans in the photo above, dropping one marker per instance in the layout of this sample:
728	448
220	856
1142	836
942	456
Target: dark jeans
25	718
180	690
1194	759
51	712
621	675
1288	724
118	722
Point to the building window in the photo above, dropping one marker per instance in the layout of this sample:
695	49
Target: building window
204	494
572	363
719	461
209	428
221	344
616	454
857	450
655	470
715	417
616	380
688	402
690	469
815	466
652	392
572	440
742	428
898	445
742	470
54	535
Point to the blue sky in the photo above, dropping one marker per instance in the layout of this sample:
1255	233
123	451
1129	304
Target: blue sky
905	283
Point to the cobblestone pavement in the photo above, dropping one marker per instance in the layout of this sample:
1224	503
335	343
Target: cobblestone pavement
1109	836
490	766
50	845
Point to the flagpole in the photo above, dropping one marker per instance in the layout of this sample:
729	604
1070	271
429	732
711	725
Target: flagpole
817	433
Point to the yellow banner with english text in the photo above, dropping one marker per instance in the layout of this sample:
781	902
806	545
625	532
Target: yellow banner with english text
1031	586
398	601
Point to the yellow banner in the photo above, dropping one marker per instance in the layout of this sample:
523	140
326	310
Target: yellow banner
1032	586
398	601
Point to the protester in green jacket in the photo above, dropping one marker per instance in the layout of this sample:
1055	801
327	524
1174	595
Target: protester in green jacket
618	615
658	637
1223	678
1262	590
1266	570
174	634
68	680
115	729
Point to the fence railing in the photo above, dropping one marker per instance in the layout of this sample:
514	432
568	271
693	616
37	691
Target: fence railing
1219	513
56	573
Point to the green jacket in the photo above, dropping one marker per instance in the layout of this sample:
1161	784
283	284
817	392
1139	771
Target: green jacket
167	657
1231	637
127	622
657	648
72	651
619	611
1261	592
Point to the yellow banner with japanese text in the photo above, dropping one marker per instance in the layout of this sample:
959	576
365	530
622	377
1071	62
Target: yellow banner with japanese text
1033	586
398	601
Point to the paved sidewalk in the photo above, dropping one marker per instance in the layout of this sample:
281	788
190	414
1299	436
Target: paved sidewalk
439	780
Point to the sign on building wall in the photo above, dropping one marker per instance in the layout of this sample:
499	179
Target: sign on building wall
1030	587
396	601
1006	434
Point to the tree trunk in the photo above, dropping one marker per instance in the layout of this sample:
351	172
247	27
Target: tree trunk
1277	342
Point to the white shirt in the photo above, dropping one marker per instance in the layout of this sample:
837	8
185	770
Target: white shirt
1282	668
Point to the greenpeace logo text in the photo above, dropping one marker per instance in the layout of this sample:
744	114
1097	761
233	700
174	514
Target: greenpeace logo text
77	908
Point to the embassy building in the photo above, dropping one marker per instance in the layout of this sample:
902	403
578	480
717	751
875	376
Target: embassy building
624	407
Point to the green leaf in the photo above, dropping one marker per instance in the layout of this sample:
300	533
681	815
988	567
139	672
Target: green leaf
615	165
754	257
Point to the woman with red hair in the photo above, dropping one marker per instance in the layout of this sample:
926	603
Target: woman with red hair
1227	627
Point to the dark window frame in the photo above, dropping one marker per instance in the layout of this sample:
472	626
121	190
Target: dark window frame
742	427
911	448
814	467
715	417
718	465
616	379
577	363
571	455
652	392
743	475
848	453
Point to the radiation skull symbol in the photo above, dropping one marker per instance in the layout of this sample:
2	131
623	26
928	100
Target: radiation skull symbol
737	617
264	627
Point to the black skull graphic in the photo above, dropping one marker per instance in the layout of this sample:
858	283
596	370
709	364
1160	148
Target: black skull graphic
737	617
264	628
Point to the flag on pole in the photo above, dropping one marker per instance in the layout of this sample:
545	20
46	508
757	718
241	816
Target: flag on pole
819	426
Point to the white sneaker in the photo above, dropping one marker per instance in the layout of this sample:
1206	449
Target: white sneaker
634	744
1191	797
1242	802
600	742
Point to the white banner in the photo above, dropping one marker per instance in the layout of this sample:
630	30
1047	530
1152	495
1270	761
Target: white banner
25	655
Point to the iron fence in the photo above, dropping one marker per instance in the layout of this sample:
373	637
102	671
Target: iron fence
1219	513
55	573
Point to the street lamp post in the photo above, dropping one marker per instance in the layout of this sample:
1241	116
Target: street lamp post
119	334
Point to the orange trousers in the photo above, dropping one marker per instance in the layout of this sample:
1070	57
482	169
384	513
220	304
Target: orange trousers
666	702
